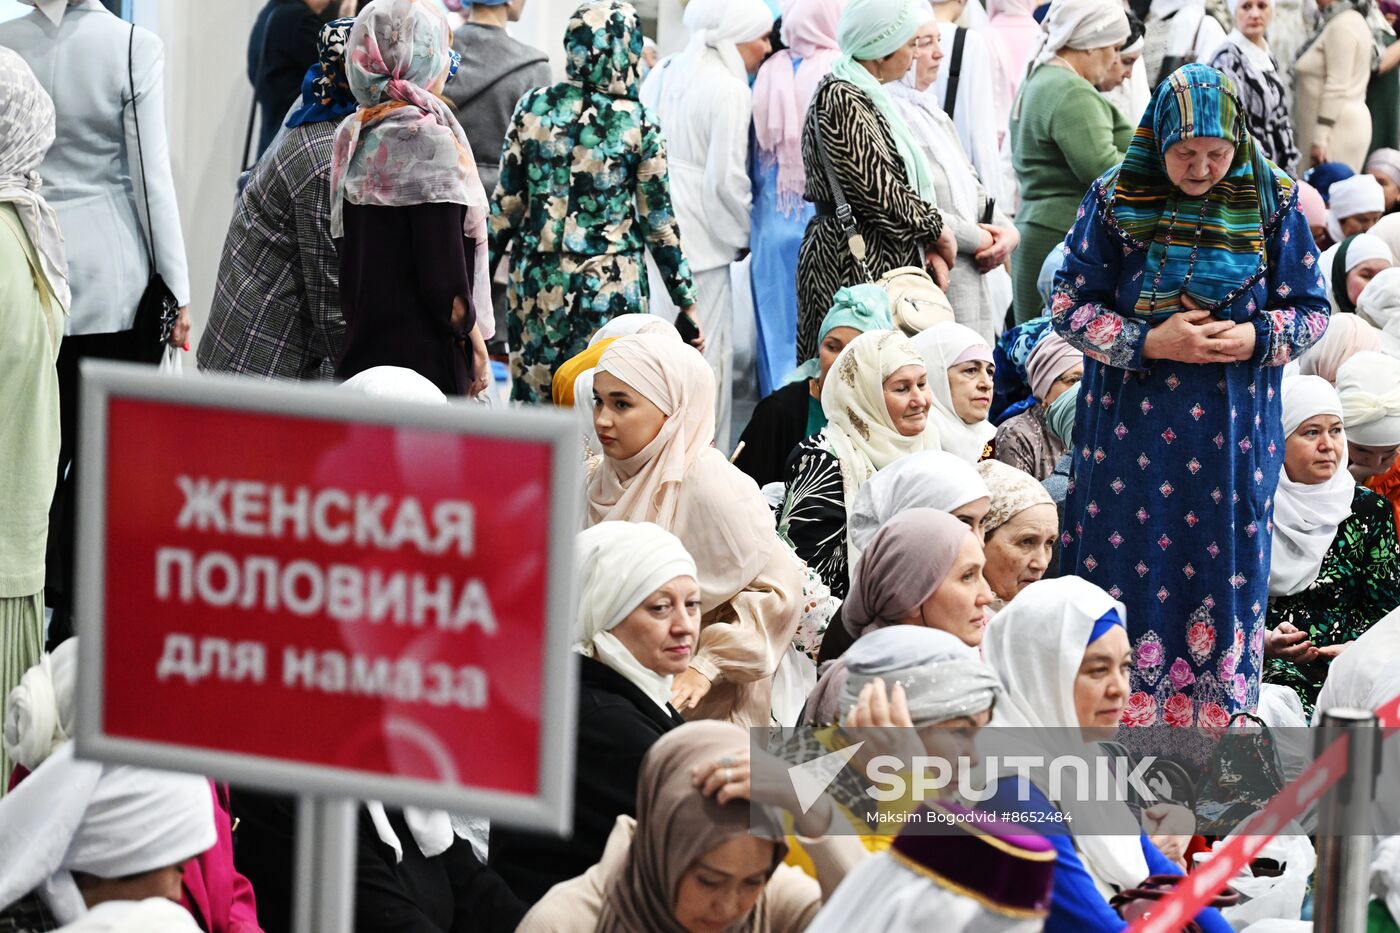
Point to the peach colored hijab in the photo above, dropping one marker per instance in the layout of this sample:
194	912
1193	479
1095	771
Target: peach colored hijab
679	481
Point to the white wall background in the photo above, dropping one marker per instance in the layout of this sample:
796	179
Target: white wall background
208	97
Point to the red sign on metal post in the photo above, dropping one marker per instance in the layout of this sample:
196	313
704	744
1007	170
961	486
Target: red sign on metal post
323	593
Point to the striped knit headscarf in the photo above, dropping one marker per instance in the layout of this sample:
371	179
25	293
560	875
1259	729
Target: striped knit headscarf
1211	246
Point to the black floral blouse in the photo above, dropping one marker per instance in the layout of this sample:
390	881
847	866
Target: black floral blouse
813	516
1358	585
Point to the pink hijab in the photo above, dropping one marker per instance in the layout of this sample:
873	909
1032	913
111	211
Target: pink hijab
1016	31
782	92
1311	204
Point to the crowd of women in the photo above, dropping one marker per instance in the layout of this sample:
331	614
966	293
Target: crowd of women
1096	426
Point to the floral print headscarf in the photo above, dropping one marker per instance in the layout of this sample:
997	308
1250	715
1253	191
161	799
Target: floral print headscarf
603	48
404	146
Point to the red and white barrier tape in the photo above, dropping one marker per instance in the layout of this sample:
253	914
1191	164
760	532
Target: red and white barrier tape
1202	885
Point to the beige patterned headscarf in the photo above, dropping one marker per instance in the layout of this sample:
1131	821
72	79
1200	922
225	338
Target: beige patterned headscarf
679	481
26	132
859	430
1013	491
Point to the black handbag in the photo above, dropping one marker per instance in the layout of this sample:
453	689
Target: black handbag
157	311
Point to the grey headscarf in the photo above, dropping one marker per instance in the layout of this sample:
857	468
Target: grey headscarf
942	677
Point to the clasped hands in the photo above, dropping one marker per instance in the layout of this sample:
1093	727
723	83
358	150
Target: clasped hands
1194	336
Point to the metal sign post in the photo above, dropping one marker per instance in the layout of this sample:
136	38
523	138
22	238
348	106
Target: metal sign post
1344	830
325	864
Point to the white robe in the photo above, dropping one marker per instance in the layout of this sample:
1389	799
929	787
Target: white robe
704	109
975	104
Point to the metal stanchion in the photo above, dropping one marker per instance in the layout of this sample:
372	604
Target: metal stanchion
325	866
1344	831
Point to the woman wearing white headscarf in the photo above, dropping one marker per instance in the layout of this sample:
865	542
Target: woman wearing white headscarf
1063	656
980	90
654	418
1354	205
34	301
1063	133
1022	528
1335	564
77	831
1369	387
40	720
930	479
1179	32
1379	303
1349	265
636	627
876	400
960	368
979	288
701	98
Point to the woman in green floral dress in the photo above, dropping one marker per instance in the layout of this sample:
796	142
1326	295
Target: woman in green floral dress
1335	564
583	189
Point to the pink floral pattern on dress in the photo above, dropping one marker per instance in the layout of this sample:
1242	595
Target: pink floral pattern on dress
1141	710
1178	711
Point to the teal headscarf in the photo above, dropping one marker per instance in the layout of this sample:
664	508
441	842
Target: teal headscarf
871	29
1060	416
863	307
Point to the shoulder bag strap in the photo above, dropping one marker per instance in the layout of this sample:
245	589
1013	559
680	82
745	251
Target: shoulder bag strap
950	96
258	76
140	155
844	216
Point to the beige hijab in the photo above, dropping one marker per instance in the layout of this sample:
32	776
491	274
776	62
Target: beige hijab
859	430
679	481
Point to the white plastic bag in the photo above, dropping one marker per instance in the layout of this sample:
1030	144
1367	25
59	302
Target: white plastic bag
794	679
1385	873
172	362
1279	898
1282	712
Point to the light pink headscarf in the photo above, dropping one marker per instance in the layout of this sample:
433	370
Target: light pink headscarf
1311	204
781	93
1015	30
1346	336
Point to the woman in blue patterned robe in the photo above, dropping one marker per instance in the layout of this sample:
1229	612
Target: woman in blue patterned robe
1183	252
